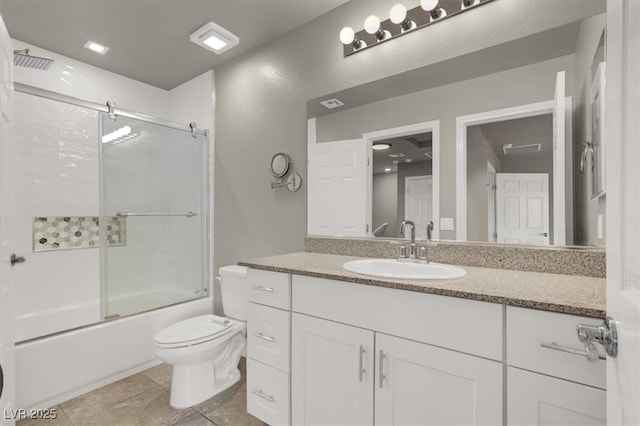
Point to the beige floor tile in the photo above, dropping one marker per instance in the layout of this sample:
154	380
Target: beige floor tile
60	420
161	374
91	406
148	408
196	419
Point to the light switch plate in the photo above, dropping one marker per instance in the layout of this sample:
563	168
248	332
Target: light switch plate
446	224
599	226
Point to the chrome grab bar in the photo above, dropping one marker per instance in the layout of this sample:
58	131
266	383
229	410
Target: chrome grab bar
557	347
262	395
127	214
262	336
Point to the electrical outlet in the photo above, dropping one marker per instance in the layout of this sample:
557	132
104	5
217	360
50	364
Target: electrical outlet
446	224
599	226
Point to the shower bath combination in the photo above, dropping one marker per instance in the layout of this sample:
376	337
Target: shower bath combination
22	58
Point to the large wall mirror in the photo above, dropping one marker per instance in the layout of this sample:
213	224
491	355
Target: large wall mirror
501	160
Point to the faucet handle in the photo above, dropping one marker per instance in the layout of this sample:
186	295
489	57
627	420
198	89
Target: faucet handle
403	251
422	253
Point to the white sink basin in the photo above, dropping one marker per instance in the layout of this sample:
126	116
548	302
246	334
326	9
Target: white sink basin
391	268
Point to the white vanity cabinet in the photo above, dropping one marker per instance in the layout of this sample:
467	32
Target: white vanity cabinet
370	359
268	346
548	383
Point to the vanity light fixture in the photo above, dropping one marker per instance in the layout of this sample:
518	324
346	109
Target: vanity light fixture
213	37
348	37
401	21
435	11
398	15
96	47
469	3
372	26
381	146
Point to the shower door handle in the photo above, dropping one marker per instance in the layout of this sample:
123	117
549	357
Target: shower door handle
16	259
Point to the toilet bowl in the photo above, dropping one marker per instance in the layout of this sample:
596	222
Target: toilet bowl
205	350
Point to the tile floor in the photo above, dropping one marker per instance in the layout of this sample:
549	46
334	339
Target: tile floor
143	399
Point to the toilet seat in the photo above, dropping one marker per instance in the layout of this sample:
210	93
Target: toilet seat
193	331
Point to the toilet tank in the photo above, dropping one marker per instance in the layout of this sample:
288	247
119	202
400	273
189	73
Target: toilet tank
235	291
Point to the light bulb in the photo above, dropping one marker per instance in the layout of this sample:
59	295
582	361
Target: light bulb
372	24
428	5
398	14
347	35
469	3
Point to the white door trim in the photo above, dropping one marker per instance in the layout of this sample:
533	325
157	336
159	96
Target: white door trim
464	121
491	203
427	126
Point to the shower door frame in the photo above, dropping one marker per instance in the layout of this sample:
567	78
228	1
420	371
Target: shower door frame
110	109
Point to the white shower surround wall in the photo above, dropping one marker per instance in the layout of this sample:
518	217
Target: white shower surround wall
61	290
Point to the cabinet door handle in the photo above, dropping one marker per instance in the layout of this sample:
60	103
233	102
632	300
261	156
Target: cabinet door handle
263	337
557	347
263	395
361	366
261	288
381	375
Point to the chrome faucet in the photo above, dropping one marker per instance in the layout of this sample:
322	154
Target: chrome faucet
412	247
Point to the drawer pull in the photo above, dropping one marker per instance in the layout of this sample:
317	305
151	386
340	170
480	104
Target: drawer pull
263	395
361	366
263	337
261	288
557	347
381	374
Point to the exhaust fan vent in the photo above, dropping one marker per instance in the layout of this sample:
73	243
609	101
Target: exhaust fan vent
332	103
510	149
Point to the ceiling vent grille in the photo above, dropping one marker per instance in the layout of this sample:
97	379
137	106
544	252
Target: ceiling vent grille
332	103
510	149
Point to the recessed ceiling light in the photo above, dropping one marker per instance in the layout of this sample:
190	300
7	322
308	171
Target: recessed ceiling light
96	47
381	146
387	170
214	38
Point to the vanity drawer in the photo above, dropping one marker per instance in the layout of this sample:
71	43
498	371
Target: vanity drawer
269	288
267	393
268	331
528	329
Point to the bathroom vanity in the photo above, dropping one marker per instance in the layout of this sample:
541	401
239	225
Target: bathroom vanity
327	346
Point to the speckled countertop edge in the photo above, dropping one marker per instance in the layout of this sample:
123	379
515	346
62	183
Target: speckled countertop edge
576	295
584	261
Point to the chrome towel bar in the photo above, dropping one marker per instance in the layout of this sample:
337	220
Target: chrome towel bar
127	214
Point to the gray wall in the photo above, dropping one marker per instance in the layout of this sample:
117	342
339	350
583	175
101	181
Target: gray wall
384	203
261	105
587	210
529	84
479	152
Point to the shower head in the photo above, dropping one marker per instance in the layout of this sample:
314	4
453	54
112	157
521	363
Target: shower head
23	59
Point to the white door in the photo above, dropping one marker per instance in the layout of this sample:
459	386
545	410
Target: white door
337	188
537	399
623	206
523	208
417	203
7	402
418	384
331	373
559	117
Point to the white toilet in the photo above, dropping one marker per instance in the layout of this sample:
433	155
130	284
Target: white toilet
205	350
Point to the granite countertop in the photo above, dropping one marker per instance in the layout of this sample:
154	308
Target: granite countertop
569	294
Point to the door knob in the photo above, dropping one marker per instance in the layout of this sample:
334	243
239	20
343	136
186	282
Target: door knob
16	259
544	234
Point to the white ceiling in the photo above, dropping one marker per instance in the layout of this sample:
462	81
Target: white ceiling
149	39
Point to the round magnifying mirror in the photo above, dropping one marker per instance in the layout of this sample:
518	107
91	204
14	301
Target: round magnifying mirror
280	164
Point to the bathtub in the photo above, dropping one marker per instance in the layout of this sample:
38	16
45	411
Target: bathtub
59	367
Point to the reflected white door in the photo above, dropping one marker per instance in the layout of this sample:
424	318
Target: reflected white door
417	203
337	190
7	400
523	208
623	205
491	203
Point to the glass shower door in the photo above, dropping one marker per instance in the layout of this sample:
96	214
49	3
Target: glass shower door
153	222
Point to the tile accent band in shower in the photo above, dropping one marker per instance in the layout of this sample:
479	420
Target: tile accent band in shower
73	232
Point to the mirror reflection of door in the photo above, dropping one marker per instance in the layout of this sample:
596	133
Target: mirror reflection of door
402	184
507	148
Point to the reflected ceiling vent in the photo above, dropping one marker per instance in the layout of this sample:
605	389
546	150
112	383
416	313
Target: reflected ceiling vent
396	155
332	103
510	149
429	155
